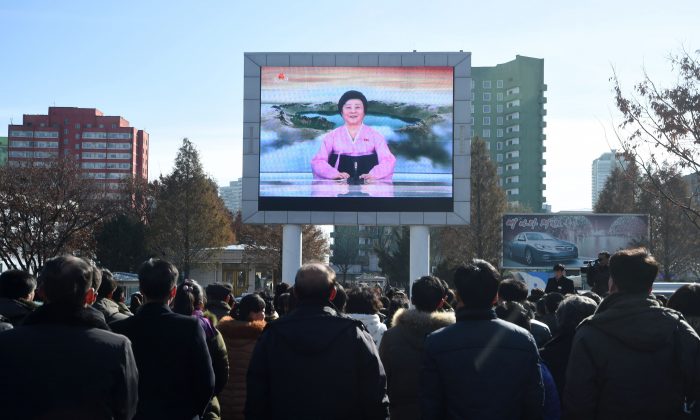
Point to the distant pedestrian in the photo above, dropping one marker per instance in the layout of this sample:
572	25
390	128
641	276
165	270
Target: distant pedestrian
560	283
105	302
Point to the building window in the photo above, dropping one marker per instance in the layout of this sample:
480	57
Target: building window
513	129
513	141
499	145
513	155
65	121
77	146
499	170
499	83
487	120
499	96
101	126
77	126
486	109
65	131
473	84
77	136
499	120
486	84
487	96
513	116
88	125
472	107
499	108
513	91
114	126
499	132
486	133
499	157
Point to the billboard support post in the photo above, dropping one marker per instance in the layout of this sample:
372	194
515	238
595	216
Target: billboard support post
419	253
291	252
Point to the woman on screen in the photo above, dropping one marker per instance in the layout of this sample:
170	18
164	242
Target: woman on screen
354	151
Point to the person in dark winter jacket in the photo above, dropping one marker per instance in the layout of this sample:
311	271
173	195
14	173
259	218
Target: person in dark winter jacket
104	302
401	349
633	359
481	367
560	283
175	369
189	300
513	290
599	274
686	300
555	353
63	363
219	299
16	295
293	373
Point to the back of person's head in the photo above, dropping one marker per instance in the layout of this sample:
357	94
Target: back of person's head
314	282
552	301
218	291
540	307
686	300
249	304
428	293
477	284
341	298
399	300
515	313
535	294
574	309
633	270
96	274
362	300
512	290
284	304
592	295
16	284
157	278
108	284
119	294
66	280
188	297
282	288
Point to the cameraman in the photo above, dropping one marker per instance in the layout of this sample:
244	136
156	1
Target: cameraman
599	273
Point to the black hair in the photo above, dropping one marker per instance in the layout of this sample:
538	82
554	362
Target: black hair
16	284
156	278
427	292
188	297
135	301
351	94
686	300
552	301
248	304
592	295
362	300
515	313
66	279
512	290
314	281
477	284
633	270
341	298
218	291
535	294
119	294
284	304
559	267
107	285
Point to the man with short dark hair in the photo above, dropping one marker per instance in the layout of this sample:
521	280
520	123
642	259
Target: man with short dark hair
560	283
219	299
481	367
293	373
176	374
62	362
599	274
513	290
401	348
104	302
16	295
633	359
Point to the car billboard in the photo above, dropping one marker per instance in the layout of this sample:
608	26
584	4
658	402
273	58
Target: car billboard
542	240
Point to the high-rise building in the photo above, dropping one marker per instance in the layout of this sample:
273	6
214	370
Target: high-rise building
3	151
600	171
508	113
232	195
108	148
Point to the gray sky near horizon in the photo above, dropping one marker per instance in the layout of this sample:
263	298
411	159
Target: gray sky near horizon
175	68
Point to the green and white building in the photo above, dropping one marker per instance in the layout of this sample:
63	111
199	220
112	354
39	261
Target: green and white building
508	113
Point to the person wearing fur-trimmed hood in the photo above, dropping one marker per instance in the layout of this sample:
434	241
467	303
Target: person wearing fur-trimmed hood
401	348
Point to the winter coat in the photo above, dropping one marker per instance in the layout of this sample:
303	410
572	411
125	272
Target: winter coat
5	324
551	409
564	285
110	309
314	364
481	368
374	325
123	309
401	351
555	355
175	369
15	310
219	361
632	359
240	338
540	331
598	277
63	363
219	308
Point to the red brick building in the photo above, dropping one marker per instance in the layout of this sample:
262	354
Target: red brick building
108	149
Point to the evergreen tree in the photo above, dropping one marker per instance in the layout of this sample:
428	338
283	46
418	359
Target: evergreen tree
189	220
394	257
346	248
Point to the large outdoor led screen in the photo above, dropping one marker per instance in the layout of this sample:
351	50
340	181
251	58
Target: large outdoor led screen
356	138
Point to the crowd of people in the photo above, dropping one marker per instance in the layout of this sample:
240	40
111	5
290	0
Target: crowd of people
480	347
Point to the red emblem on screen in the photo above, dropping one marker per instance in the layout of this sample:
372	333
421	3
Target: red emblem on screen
282	76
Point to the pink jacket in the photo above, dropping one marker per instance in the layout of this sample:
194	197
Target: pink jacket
367	141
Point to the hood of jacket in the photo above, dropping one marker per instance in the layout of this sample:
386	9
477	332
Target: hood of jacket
636	320
312	328
418	324
234	329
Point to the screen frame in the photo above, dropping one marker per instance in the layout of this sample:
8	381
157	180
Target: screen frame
329	213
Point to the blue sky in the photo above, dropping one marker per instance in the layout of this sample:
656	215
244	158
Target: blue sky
175	68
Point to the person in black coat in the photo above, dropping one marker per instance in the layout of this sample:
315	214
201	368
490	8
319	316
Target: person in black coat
16	295
560	283
176	375
599	274
481	367
62	362
314	364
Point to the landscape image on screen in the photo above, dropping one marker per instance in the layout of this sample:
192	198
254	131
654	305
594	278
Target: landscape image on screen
313	156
